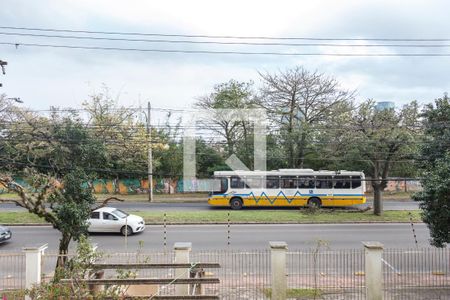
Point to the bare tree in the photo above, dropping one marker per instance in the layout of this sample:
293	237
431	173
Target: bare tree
232	95
298	100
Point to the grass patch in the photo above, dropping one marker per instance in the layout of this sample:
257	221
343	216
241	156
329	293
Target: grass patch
12	294
244	216
297	293
276	216
16	217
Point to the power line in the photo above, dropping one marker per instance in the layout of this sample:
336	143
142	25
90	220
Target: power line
17	44
226	36
223	43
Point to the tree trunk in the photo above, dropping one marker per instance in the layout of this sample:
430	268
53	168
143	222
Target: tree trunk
377	199
302	149
63	250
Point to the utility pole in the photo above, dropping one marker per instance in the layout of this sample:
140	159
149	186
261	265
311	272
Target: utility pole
150	155
2	65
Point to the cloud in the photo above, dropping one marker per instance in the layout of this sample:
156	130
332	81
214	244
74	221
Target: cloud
44	76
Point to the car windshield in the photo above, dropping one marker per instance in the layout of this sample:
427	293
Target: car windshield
120	214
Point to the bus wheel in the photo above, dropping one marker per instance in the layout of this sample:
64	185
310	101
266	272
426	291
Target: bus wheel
314	202
236	203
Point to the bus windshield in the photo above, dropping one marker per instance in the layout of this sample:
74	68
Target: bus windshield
223	185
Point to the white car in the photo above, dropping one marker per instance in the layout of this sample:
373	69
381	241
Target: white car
110	219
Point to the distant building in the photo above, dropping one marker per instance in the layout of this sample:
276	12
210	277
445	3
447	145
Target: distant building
384	105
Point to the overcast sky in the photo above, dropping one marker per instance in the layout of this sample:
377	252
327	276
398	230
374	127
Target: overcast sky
65	77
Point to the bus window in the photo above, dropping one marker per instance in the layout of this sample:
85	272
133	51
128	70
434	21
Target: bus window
253	182
288	182
324	182
356	182
272	182
305	182
341	182
236	183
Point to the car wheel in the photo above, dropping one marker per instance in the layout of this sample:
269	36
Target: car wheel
126	230
236	203
314	202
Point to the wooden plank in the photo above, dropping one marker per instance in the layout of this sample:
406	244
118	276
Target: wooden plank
156	266
128	281
191	297
195	297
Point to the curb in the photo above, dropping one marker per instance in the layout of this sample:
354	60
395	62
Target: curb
238	223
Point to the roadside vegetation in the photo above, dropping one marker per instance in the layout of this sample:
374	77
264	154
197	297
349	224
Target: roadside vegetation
244	216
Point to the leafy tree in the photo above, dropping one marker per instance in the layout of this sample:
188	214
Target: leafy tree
52	145
122	134
77	269
66	205
298	101
237	133
208	160
378	139
435	166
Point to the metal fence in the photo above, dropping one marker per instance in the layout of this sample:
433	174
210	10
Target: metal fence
242	274
12	273
312	273
326	274
48	264
416	273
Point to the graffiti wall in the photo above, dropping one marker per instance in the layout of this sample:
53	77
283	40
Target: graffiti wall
135	186
125	186
171	186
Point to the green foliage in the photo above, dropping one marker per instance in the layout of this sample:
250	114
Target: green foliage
71	206
208	160
232	94
437	132
65	204
72	146
380	138
79	267
435	166
435	200
238	134
122	134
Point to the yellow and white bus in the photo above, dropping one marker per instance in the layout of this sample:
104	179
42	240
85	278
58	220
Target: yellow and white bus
288	187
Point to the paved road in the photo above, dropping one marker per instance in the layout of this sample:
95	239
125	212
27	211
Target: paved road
142	206
339	236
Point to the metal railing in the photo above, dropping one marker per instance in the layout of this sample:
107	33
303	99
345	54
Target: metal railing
12	274
243	274
326	272
315	273
419	273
